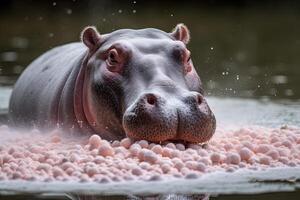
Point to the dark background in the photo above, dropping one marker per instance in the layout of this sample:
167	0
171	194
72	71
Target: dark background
240	48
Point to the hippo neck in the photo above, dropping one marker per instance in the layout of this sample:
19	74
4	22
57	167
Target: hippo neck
78	97
85	109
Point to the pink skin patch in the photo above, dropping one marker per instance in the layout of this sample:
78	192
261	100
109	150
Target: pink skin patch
61	157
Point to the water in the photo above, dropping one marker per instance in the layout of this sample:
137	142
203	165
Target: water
246	53
240	49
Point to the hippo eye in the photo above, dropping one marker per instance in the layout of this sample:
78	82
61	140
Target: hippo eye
112	57
115	59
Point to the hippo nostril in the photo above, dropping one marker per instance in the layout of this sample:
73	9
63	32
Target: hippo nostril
151	99
199	99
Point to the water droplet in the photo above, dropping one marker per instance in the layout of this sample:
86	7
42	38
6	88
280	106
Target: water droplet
133	11
120	11
134	2
54	3
211	48
172	15
69	11
51	35
237	77
80	123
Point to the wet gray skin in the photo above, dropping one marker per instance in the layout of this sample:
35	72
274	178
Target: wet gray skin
136	83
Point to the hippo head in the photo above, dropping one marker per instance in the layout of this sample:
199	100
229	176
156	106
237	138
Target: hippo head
142	84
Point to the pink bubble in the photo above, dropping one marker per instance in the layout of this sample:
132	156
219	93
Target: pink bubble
178	164
135	149
230	169
144	165
191	165
195	146
150	156
116	143
91	171
137	171
106	150
167	152
228	147
55	139
202	152
185	171
233	158
67	165
69	170
273	154
274	139
57	171
205	161
44	166
7	158
283	152
248	145
157	149
265	160
126	142
84	178
175	153
151	145
200	167
283	160
166	168
95	141
215	158
143	143
171	145
180	147
287	143
263	148
245	154
18	155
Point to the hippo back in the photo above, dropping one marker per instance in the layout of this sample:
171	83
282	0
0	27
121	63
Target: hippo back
37	93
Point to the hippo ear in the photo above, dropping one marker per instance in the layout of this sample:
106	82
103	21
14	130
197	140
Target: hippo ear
90	36
182	33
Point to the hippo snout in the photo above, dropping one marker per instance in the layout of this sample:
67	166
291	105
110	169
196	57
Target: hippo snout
156	118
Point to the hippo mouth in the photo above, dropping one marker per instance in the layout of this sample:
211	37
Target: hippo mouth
154	120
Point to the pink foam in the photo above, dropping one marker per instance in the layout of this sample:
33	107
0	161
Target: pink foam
59	156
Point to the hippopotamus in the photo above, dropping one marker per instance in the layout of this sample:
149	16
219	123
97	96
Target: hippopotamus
131	83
